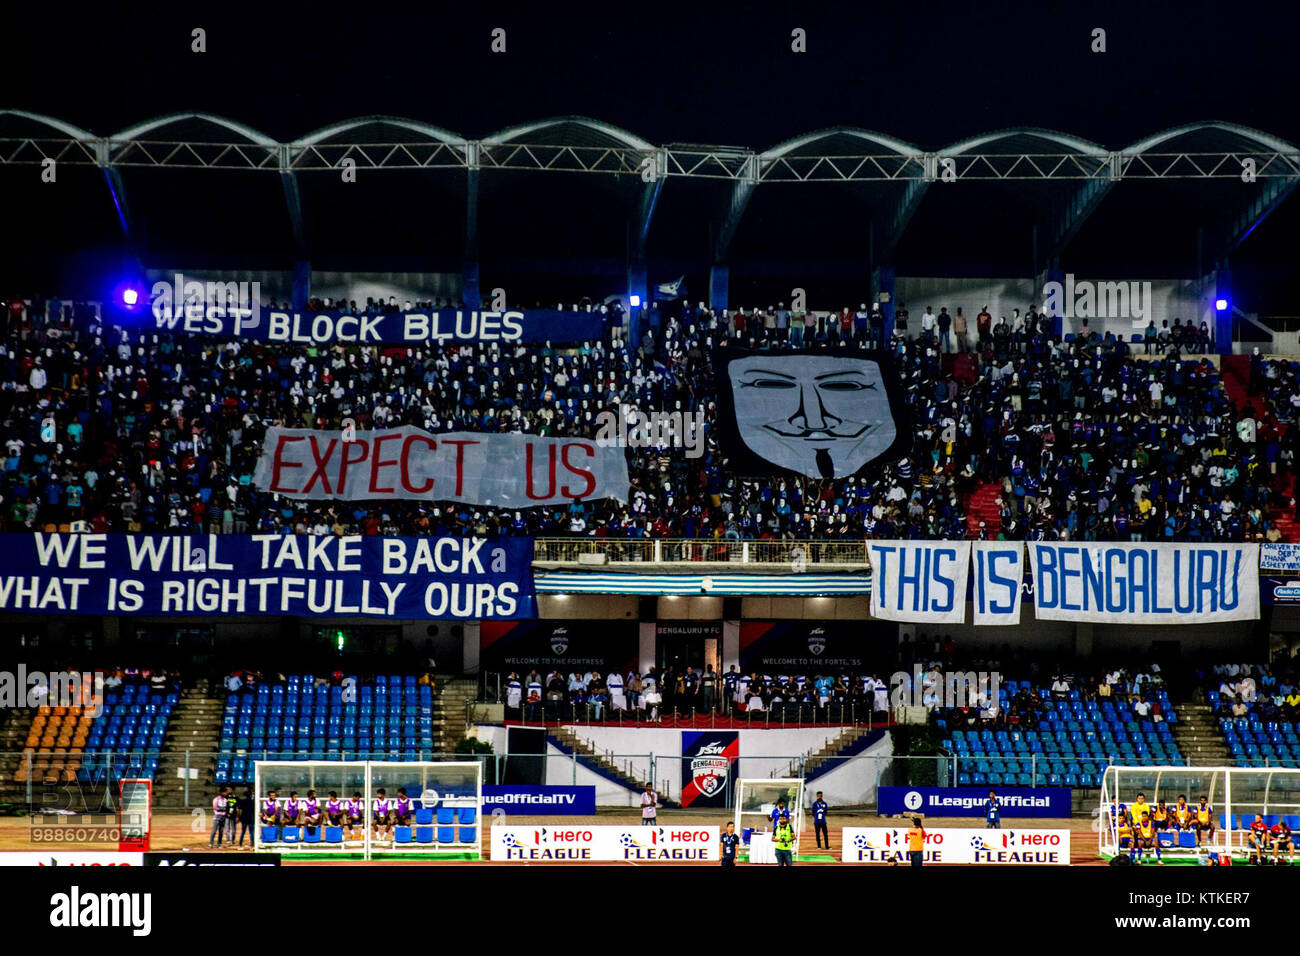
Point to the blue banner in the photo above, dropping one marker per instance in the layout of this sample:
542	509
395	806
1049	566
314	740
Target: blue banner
972	801
540	801
300	575
398	328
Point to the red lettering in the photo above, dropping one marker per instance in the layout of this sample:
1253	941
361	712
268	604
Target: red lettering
376	462
277	463
591	479
460	460
321	462
349	461
406	461
528	467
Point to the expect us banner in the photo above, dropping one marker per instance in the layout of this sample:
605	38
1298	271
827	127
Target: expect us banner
477	468
300	575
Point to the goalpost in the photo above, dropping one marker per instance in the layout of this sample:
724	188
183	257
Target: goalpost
1235	795
756	798
446	808
134	815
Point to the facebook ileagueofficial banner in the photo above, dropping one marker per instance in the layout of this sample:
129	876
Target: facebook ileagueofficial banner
709	761
308	575
1145	583
1279	557
972	801
923	582
407	328
501	470
996	587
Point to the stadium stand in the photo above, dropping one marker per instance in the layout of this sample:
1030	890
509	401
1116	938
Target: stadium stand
1079	437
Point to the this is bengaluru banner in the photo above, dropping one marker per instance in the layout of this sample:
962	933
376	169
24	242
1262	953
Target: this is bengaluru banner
404	328
709	761
919	581
301	575
501	470
1145	583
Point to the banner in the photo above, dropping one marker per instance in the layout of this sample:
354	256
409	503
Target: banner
816	414
405	328
604	843
810	647
566	646
1279	557
152	575
1280	590
1145	583
539	801
70	858
959	845
708	765
922	582
212	859
999	575
502	470
970	801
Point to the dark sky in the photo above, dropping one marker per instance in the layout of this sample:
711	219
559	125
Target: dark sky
723	74
926	72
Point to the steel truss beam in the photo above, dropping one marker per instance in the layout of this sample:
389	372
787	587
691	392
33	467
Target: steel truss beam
692	162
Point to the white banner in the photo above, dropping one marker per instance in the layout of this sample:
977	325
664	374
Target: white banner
71	858
604	843
1010	847
1279	557
923	582
503	470
999	576
1145	583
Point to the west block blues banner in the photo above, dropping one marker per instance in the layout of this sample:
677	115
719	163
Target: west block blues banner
502	470
407	328
919	581
709	761
1145	583
997	583
307	575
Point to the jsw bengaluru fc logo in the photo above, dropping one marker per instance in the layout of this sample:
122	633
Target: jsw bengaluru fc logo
709	769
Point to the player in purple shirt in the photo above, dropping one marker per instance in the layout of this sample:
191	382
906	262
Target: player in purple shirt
311	809
383	814
403	809
356	811
334	810
293	810
271	809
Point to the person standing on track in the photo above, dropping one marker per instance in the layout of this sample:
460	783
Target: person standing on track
993	812
819	809
783	840
649	806
916	842
730	843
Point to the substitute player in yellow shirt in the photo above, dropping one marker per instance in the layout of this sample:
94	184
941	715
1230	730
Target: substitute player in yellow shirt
1204	820
1146	840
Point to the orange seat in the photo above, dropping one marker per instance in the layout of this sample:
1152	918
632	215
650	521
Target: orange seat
60	711
69	776
43	710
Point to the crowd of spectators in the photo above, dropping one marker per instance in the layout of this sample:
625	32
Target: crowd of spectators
140	429
1269	692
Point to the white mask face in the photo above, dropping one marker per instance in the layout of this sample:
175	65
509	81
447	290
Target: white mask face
819	416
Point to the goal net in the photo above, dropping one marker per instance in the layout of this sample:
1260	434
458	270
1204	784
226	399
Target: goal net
406	809
134	815
1234	795
758	798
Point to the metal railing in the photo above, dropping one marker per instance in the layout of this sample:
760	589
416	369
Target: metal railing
797	554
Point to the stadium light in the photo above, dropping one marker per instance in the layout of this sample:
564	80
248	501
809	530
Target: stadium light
130	296
634	301
1221	305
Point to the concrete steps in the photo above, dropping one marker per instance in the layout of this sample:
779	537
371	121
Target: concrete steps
1199	738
